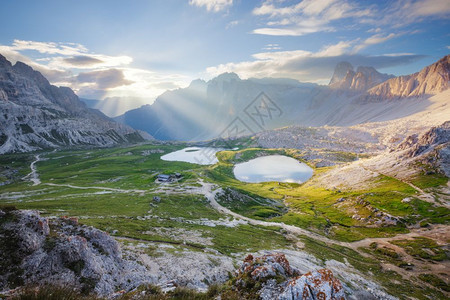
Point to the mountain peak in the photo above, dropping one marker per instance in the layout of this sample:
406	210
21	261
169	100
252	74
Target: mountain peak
197	84
366	70
29	72
341	71
4	62
228	76
53	116
364	78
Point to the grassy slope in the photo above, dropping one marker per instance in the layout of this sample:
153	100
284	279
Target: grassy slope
124	212
317	208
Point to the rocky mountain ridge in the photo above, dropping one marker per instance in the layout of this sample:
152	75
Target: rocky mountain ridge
36	115
209	110
204	110
362	79
430	80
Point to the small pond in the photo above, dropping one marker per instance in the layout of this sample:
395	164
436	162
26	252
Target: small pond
273	168
194	155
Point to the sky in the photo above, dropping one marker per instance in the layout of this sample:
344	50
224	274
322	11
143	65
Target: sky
135	50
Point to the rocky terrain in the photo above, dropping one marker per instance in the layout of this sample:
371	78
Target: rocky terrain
366	202
278	280
60	251
36	115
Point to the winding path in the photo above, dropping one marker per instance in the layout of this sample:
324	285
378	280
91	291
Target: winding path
96	188
210	195
438	230
33	175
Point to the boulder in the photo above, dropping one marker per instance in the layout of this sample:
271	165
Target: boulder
36	250
321	285
271	277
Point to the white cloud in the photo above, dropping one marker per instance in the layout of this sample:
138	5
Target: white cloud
376	30
307	16
373	40
212	5
307	66
232	24
49	47
272	47
90	61
405	12
423	8
89	74
147	84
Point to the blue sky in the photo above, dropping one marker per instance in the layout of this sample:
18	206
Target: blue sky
137	49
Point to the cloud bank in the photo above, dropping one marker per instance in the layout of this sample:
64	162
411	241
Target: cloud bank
310	16
310	66
91	75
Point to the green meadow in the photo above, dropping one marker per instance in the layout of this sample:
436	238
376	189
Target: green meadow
113	189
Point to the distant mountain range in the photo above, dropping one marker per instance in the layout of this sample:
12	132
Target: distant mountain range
205	109
114	106
227	105
36	115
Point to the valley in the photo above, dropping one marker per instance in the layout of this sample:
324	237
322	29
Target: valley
208	220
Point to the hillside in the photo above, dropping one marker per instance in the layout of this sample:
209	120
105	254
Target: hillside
36	115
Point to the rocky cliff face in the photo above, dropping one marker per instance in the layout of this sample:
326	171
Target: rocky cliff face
364	78
36	115
429	81
36	250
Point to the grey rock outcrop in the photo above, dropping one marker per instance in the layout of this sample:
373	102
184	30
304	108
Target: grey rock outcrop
36	115
271	277
432	147
35	250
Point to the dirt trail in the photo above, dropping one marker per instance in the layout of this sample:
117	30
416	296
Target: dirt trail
33	175
439	232
96	188
210	195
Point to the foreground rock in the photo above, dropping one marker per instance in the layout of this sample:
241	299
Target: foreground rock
35	250
271	277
